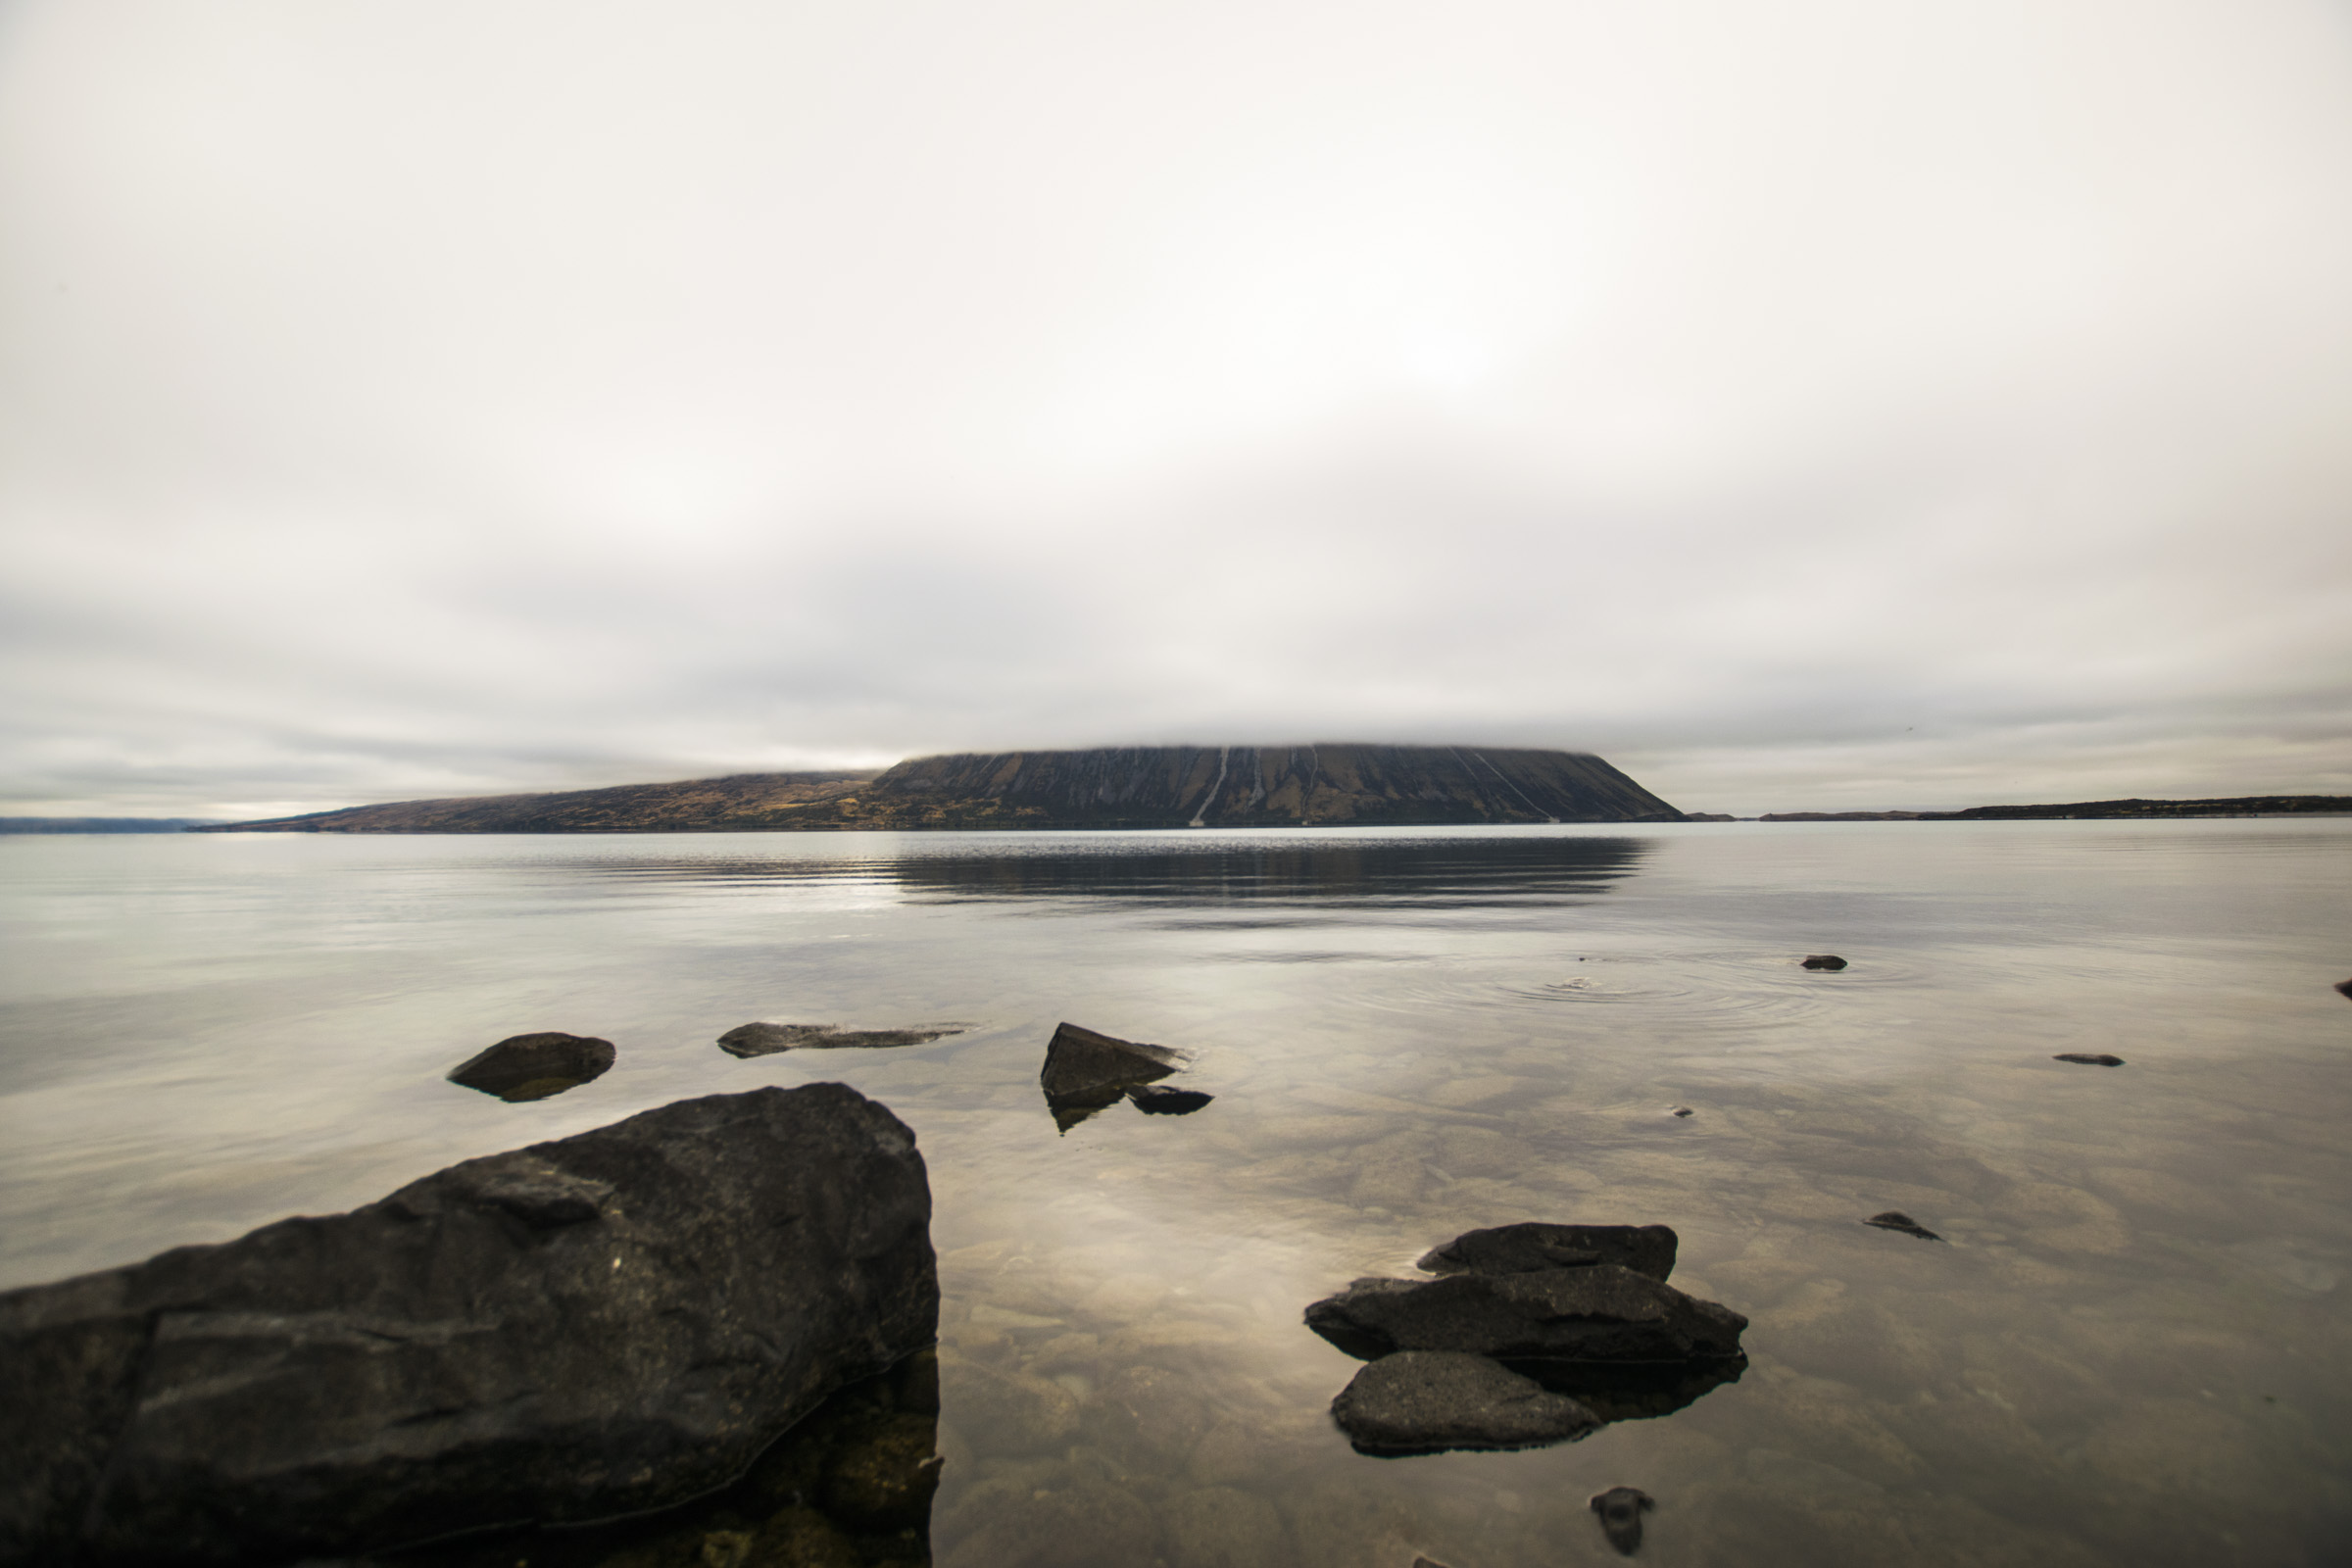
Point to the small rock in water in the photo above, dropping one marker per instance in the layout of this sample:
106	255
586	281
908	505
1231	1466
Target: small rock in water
2089	1058
2344	986
524	1067
1079	1063
1426	1401
1684	1111
1531	1246
1596	1312
1620	1509
1896	1220
767	1039
1824	960
1167	1101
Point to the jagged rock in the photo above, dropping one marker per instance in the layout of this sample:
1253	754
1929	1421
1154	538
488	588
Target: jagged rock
1824	960
1620	1509
2089	1058
524	1067
1896	1220
767	1039
1081	1064
604	1324
1423	1401
1168	1102
2344	988
1526	1248
1597	1312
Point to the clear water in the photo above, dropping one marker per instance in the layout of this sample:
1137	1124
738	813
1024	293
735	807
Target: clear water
2133	1349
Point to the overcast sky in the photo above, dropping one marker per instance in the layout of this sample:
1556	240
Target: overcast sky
1820	404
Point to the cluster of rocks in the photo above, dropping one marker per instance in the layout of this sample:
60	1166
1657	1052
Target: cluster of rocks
606	1324
1531	1334
1086	1072
533	1066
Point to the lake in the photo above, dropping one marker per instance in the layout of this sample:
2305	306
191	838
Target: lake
2133	1346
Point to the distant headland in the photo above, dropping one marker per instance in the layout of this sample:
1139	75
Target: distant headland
1109	787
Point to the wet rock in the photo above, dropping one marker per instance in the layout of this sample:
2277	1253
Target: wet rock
2089	1058
1632	1390
2344	988
1082	1064
1896	1220
1597	1312
1824	960
1683	1111
1620	1509
767	1039
601	1325
1426	1401
524	1068
1528	1248
1168	1102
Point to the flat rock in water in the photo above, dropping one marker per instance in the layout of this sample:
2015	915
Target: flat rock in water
1425	1401
2089	1058
1529	1247
1620	1509
767	1039
1168	1102
1896	1220
604	1324
1824	960
524	1067
1082	1064
1596	1312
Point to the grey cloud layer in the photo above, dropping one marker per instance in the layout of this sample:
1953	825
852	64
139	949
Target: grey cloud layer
1858	410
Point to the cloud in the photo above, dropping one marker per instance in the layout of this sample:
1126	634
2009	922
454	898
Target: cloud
1838	407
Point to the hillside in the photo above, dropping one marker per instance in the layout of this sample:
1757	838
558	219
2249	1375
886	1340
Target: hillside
1122	787
742	803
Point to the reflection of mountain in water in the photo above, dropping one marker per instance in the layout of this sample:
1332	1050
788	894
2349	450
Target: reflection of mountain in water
1426	873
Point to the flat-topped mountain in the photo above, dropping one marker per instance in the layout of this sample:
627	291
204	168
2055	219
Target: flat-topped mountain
1110	787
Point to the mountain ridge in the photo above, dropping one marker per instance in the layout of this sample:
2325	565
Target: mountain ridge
1317	784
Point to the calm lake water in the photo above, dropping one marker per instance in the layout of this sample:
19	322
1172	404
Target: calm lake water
2134	1347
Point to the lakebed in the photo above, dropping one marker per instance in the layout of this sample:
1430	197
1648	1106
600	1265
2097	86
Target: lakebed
2131	1345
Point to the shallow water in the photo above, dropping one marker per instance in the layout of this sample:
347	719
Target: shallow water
2133	1347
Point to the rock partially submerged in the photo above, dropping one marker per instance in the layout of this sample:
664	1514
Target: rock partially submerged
2343	988
2089	1058
1167	1101
1528	1248
1896	1220
606	1324
524	1068
1620	1509
1824	960
1580	1312
1081	1064
1423	1401
1596	1312
767	1039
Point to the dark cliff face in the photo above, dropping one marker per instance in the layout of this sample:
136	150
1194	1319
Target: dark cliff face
1254	786
1111	787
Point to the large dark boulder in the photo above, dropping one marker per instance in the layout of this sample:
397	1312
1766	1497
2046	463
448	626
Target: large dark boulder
604	1324
1425	1401
1529	1247
1598	1312
534	1066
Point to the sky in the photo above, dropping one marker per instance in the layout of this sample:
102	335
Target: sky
1822	405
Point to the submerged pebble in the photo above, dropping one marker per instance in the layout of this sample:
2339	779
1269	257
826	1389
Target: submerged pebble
1620	1510
1896	1220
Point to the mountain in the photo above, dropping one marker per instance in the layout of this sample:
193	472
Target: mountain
1117	787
